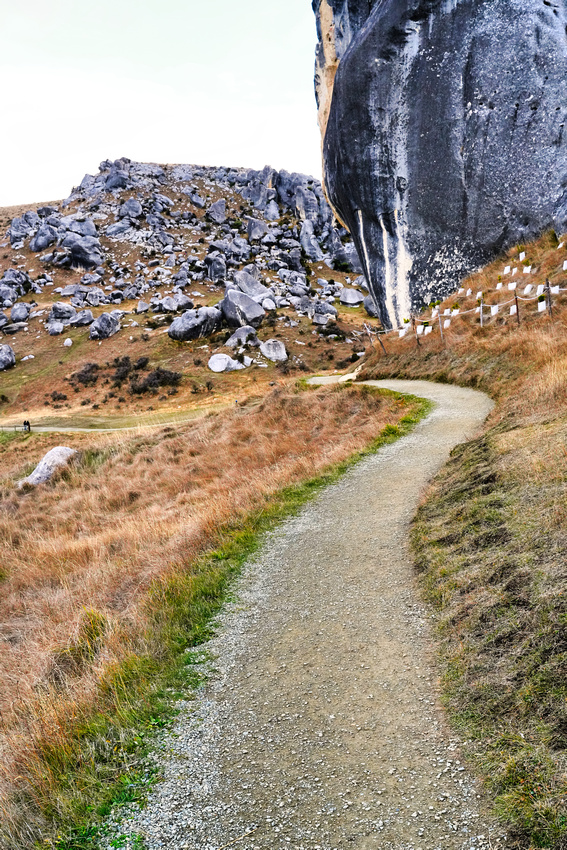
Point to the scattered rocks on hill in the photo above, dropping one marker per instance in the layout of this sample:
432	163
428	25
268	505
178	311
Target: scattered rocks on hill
351	297
147	234
46	468
224	363
274	349
7	357
239	309
246	335
105	326
195	324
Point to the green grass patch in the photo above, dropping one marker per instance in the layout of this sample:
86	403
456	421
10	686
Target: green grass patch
105	760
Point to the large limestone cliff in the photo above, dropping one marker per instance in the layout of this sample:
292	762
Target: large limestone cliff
337	22
443	134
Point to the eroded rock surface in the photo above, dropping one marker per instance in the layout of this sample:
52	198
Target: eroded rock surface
445	139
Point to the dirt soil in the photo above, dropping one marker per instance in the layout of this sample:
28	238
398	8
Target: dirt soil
321	726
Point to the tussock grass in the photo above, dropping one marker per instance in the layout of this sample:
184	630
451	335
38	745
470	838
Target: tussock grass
114	569
490	542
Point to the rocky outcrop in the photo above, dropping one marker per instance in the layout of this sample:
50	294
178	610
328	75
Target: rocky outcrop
48	466
445	140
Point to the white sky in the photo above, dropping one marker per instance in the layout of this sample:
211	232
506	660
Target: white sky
213	82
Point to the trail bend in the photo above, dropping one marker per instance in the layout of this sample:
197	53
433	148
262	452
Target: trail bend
321	727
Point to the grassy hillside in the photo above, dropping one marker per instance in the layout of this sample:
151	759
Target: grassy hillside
44	390
490	540
106	582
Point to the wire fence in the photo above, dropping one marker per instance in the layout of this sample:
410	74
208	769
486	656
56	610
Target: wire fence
440	320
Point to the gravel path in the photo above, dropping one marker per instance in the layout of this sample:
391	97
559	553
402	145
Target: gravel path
320	727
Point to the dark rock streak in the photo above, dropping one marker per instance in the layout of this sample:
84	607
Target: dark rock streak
445	140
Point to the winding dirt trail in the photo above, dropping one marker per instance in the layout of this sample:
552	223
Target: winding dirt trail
321	727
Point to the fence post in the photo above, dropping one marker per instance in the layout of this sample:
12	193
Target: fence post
481	313
441	329
548	296
415	331
517	308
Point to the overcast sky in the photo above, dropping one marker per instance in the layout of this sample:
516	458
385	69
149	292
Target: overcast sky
213	82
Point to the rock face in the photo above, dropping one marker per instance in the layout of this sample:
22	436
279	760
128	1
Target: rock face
444	134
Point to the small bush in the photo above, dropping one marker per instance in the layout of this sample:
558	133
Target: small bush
156	379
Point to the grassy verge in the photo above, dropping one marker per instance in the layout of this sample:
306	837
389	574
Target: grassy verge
490	543
98	758
494	575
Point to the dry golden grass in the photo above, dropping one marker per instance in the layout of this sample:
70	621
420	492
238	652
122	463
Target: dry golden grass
80	553
490	542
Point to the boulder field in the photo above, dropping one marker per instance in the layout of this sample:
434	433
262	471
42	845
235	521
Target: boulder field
139	244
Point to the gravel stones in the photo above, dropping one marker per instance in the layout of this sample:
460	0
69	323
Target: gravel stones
320	725
7	357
